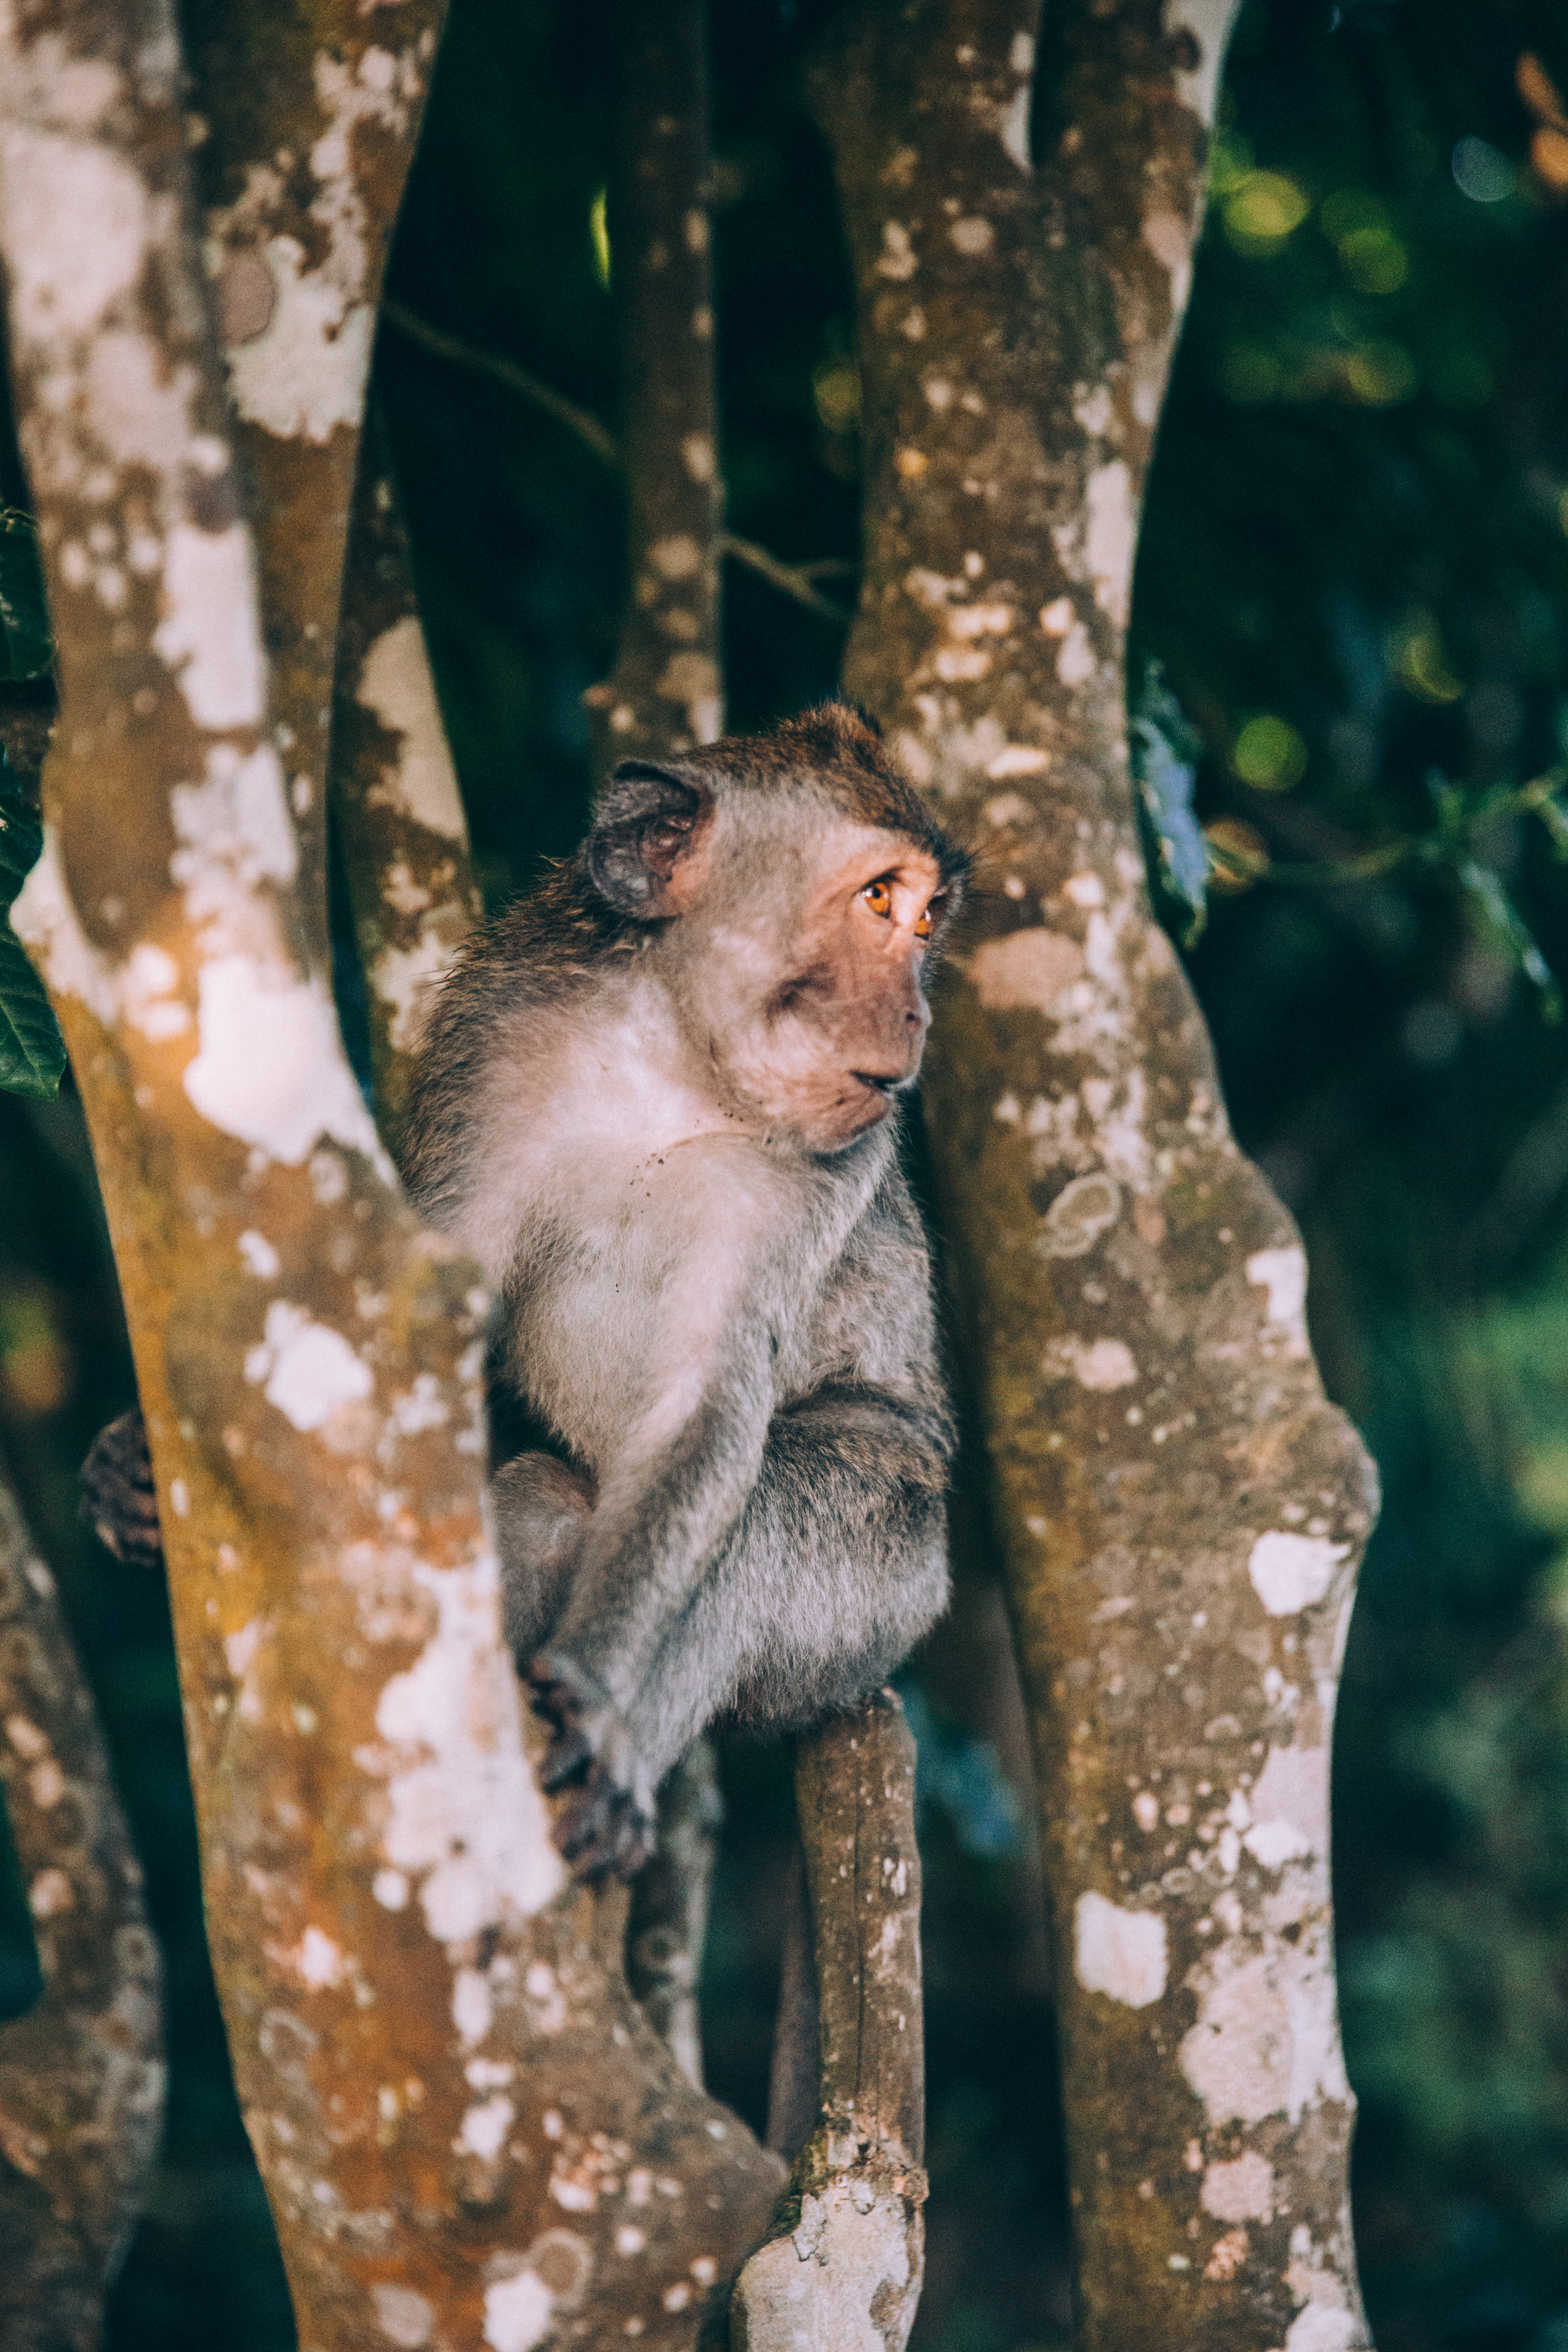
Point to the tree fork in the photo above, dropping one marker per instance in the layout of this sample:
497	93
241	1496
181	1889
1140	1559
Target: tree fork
1181	1511
466	2128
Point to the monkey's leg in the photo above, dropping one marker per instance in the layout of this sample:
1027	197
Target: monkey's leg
837	1567
543	1511
118	1501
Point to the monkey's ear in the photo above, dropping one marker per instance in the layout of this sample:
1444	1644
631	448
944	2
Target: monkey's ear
648	824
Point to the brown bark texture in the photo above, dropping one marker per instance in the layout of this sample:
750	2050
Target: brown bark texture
1182	1512
392	789
664	694
81	2075
668	1920
842	2270
302	126
468	2134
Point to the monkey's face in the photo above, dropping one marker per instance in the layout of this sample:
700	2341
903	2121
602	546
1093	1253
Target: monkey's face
815	1011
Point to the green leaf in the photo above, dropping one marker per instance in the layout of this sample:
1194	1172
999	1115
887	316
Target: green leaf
26	642
32	1051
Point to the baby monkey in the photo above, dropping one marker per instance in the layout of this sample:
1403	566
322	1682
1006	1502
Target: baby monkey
658	1103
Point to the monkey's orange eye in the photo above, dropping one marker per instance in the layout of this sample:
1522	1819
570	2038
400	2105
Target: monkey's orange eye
922	925
880	898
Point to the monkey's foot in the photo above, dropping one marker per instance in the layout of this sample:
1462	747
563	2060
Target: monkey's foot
605	1823
118	1501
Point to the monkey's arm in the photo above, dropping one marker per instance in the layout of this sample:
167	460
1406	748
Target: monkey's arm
837	1567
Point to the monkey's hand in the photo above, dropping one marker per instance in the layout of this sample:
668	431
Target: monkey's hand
605	1823
117	1498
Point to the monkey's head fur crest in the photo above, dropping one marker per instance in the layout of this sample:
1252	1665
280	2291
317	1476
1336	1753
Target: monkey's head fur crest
790	889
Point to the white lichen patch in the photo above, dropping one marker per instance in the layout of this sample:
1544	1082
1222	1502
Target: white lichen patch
472	2010
1240	2191
396	686
402	980
1111	538
1099	1365
1281	1273
465	1817
1209	23
1291	1572
270	1068
78	226
405	2317
309	1369
259	1257
302	374
1024	971
518	2310
1290	1804
850	2256
208	635
321	1965
1265	2040
147	983
484	2128
1121	1954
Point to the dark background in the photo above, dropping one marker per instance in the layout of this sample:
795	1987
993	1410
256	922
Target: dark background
1358	531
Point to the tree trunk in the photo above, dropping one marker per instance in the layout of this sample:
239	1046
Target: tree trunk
81	2075
1182	1512
467	2130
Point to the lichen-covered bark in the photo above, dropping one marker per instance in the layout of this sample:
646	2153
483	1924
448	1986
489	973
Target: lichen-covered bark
664	693
842	2271
467	2132
307	118
81	2075
393	790
1181	1511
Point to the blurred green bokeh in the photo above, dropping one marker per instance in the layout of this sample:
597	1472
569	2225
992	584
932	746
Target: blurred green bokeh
1353	578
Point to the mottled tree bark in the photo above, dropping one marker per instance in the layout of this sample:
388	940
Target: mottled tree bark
81	2075
393	790
664	694
842	2270
467	2130
1182	1512
308	118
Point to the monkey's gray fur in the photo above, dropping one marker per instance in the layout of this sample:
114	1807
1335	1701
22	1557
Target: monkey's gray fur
656	1103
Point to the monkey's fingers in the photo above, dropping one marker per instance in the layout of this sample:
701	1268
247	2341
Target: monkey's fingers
603	1829
118	1500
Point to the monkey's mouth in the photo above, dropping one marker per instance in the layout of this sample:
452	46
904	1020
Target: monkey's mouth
882	1085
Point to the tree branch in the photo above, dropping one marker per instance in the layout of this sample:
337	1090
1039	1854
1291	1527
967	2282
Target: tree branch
796	581
664	693
1181	1511
82	2075
845	2262
394	791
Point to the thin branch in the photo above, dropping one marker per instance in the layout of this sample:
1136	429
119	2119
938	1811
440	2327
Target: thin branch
793	579
597	438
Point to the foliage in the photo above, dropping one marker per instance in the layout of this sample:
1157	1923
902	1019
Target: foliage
32	1051
27	644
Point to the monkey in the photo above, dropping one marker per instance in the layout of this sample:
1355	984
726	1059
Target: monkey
658	1101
